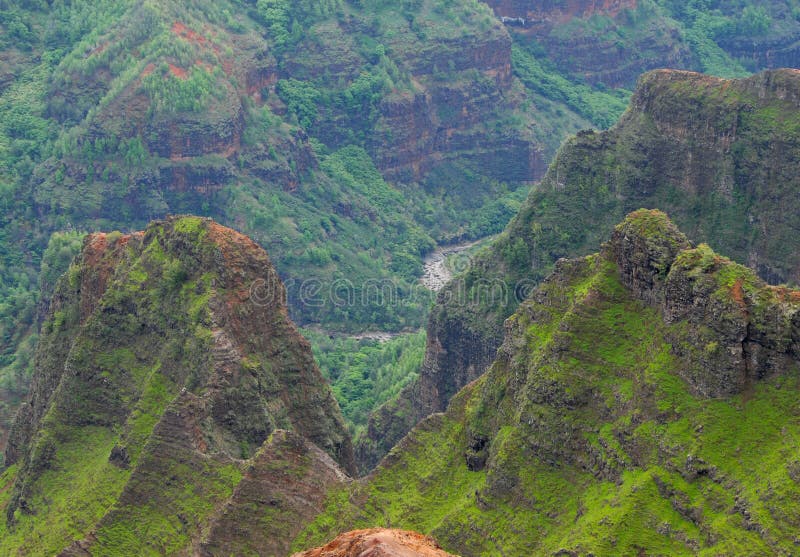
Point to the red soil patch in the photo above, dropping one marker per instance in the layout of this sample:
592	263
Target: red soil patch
148	69
95	247
784	293
230	242
182	31
185	33
180	73
378	542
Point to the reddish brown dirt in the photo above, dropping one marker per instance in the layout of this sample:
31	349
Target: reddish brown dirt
784	293
378	542
101	257
182	31
180	73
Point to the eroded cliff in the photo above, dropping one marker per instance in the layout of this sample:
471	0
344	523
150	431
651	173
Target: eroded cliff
166	367
719	155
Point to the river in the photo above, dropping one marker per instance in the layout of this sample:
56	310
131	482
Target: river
438	268
439	265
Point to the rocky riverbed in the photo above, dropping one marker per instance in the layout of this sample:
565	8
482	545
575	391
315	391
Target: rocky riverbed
440	265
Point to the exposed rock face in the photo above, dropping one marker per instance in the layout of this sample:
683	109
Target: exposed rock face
553	11
739	329
171	353
614	41
378	543
645	247
455	355
460	82
768	51
702	148
600	58
634	401
283	488
416	132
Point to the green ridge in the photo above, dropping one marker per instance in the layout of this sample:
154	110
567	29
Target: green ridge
594	442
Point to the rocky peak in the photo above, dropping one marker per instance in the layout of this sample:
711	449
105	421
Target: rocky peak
719	156
737	329
687	104
654	375
167	354
644	247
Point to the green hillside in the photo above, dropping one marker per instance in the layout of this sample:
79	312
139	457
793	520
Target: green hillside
643	402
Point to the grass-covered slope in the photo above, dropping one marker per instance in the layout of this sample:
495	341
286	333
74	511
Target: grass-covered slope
165	366
643	402
719	155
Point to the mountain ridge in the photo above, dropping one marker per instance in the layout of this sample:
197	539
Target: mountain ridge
601	427
167	368
716	154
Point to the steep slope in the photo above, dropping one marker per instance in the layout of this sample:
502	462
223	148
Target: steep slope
718	155
283	118
347	138
603	42
613	42
586	55
643	402
165	365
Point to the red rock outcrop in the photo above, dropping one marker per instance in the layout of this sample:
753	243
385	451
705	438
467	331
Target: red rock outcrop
378	542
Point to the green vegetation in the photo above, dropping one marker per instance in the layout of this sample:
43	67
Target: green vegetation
592	442
133	452
119	112
366	373
75	493
348	138
602	108
599	177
